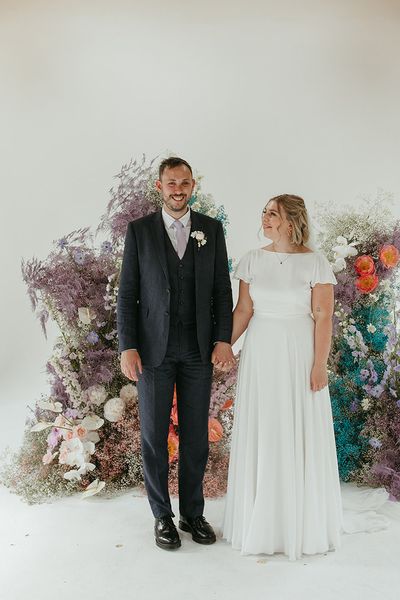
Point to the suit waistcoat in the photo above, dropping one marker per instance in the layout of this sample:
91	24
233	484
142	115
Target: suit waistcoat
182	281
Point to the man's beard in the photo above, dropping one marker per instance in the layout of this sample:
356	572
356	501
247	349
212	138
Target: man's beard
184	203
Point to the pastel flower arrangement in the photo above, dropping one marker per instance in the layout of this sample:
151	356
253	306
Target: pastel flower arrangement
363	245
84	435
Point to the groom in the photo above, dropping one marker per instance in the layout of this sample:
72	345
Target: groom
174	323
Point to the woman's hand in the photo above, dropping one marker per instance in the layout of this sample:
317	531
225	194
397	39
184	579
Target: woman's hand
319	377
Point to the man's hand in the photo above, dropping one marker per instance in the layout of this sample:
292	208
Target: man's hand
131	365
222	357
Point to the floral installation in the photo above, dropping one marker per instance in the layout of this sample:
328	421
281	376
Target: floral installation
363	247
84	435
199	237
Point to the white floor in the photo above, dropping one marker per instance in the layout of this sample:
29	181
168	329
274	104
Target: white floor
103	548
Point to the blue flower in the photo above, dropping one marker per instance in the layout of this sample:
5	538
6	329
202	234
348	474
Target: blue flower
92	337
374	442
106	247
79	257
62	243
354	406
398	403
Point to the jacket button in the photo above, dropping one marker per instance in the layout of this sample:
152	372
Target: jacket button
168	290
166	312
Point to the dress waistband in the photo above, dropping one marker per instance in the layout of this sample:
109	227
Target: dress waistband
261	313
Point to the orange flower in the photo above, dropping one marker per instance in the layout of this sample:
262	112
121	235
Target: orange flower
215	431
174	409
389	256
367	283
173	445
364	265
227	404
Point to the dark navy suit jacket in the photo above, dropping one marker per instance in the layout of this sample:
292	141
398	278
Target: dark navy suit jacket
143	309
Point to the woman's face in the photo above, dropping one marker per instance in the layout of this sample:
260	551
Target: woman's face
275	224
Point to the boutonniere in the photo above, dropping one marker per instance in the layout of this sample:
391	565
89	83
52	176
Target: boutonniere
199	237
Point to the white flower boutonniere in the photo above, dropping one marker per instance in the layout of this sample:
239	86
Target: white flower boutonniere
199	237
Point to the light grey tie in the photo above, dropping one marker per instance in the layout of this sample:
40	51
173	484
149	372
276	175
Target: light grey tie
180	237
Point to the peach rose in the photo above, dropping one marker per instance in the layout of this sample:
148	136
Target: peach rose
389	255
215	431
367	283
364	265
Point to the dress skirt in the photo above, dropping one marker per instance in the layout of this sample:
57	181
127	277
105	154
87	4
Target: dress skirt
283	491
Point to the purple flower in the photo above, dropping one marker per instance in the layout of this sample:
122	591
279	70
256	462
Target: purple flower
354	406
374	442
398	403
393	392
62	243
106	247
397	368
92	337
54	437
79	257
71	413
364	373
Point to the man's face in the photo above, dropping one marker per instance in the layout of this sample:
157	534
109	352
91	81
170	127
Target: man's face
176	187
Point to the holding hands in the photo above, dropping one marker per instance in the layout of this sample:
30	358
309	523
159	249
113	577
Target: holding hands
222	357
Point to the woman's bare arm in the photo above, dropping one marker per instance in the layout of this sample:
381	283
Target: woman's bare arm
243	311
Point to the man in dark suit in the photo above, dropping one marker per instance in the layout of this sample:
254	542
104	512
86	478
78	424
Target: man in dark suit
174	324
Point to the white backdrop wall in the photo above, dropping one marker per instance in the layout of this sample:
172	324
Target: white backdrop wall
261	97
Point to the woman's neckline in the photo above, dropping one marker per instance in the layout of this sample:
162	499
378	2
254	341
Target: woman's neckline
289	253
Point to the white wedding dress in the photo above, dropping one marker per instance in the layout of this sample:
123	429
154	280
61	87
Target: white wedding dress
283	486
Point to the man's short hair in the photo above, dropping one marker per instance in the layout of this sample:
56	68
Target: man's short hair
171	163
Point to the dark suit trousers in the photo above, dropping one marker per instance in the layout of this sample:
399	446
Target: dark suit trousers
182	365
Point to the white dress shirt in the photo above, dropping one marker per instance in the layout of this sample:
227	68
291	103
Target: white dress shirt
170	229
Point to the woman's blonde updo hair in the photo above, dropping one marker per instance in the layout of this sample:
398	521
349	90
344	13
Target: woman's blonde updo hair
296	214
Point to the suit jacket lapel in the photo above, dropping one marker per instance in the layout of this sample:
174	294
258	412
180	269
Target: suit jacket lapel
158	239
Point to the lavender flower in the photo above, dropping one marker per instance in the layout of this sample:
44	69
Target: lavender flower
92	337
62	243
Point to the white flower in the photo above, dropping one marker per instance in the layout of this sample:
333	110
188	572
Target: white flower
365	403
85	315
128	392
371	328
338	265
71	475
92	422
344	249
96	394
93	488
41	425
114	409
199	237
50	405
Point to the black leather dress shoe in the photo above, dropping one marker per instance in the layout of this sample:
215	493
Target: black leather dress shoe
201	531
166	534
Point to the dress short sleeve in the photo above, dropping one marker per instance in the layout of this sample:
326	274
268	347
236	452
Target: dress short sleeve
243	269
323	272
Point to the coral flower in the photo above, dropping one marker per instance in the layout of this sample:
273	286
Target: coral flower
389	256
364	265
367	283
227	404
215	431
173	445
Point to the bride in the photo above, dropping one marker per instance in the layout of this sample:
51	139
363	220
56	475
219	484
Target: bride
283	486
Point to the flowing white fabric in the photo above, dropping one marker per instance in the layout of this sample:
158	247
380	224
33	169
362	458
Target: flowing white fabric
283	486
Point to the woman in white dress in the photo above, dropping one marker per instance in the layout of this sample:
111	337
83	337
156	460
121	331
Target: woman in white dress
283	486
